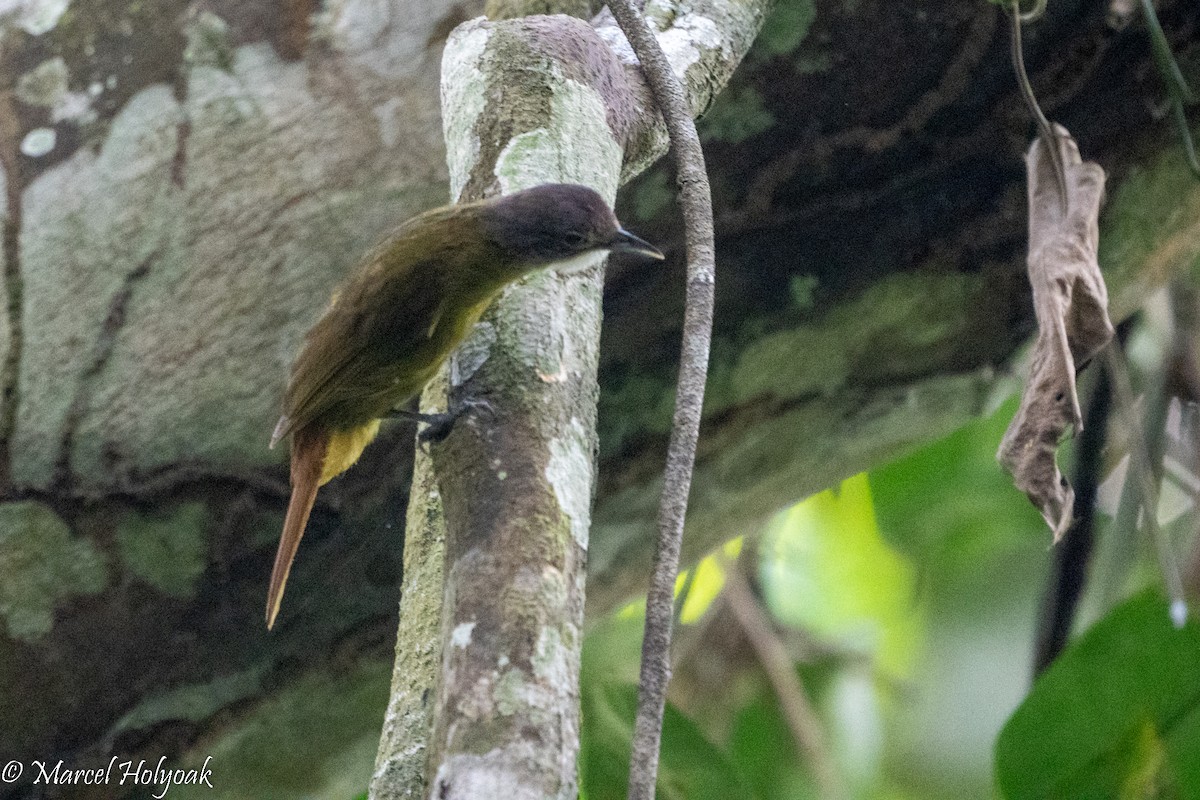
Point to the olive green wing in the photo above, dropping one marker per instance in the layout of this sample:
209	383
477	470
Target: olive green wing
383	314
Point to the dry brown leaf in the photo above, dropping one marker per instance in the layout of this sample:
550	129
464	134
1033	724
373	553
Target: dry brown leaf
1070	302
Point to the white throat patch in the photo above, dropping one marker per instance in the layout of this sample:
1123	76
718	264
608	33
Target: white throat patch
578	263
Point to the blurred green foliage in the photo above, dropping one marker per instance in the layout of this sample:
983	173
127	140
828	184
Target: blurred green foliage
916	586
1116	716
827	570
692	768
739	115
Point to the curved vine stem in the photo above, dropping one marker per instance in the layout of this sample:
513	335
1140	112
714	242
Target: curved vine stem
696	202
1045	129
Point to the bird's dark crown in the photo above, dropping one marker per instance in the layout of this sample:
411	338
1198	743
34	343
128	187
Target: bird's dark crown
551	222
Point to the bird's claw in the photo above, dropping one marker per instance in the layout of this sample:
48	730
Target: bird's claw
438	426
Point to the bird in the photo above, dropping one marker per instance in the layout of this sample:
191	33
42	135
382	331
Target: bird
401	312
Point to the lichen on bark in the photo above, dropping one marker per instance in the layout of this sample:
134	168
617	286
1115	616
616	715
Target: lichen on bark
42	564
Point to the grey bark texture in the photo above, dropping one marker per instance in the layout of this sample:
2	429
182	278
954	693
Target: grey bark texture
403	755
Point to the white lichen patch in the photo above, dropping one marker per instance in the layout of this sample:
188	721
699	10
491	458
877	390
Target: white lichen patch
575	146
388	38
686	41
617	42
461	635
702	49
86	224
208	41
35	17
569	473
553	661
355	25
44	84
514	692
500	772
389	124
535	696
39	142
142	137
125	209
477	700
75	107
472	354
280	182
464	97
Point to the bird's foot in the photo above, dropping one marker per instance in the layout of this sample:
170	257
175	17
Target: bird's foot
438	426
415	416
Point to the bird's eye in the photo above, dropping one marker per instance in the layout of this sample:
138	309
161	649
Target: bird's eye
576	239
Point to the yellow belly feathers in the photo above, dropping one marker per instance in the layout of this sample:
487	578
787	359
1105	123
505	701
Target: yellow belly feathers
344	449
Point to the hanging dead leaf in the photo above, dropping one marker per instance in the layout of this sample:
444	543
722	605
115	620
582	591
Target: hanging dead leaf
1070	302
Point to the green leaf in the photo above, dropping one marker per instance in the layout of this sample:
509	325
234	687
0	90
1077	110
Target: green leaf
764	748
980	551
1117	716
951	501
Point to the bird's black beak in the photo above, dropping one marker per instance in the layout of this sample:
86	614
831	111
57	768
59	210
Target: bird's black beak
626	242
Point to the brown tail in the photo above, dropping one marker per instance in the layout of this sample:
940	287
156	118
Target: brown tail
308	458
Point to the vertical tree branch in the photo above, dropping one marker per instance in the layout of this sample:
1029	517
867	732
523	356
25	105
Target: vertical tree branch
696	202
516	482
401	762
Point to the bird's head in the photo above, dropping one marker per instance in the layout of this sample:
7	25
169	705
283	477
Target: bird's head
561	225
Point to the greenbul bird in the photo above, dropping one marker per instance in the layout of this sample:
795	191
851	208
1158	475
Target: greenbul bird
403	310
